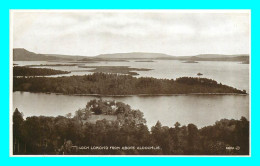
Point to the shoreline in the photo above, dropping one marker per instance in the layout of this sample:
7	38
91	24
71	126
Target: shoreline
139	95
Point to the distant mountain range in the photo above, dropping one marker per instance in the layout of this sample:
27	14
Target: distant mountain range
21	54
134	55
220	57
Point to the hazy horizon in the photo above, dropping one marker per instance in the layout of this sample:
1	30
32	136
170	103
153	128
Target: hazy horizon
91	33
130	52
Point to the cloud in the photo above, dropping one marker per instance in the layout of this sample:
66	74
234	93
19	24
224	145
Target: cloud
98	32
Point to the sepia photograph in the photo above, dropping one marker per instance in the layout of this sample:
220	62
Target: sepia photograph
130	83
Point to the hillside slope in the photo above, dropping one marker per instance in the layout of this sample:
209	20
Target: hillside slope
21	54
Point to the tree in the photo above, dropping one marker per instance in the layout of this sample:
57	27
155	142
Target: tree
193	138
177	125
17	130
69	115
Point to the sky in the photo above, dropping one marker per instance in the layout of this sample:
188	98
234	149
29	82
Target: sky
90	33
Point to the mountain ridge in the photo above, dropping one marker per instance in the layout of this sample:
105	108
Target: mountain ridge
137	55
21	54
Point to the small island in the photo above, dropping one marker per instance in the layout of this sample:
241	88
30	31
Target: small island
120	85
103	59
145	61
83	62
199	74
115	69
245	62
50	65
190	61
26	71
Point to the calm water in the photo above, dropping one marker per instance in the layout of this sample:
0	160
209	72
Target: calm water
201	110
230	73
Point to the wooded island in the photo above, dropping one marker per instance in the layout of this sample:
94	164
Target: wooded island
115	84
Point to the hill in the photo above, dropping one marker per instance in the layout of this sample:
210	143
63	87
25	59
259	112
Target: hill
160	56
21	54
220	55
134	55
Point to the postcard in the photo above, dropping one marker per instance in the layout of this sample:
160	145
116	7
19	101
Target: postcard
130	82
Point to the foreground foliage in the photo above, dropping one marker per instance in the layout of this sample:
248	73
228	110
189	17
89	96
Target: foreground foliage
65	135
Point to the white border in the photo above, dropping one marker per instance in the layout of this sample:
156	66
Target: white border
11	85
135	10
11	11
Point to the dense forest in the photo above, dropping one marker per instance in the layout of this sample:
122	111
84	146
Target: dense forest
127	135
26	71
114	84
